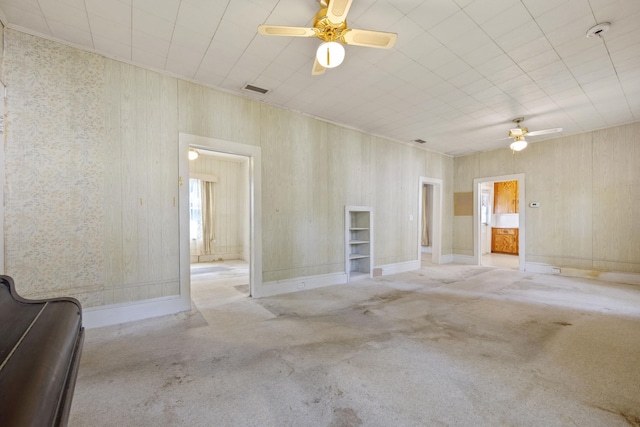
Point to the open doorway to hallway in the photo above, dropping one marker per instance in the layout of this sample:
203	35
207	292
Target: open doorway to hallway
219	226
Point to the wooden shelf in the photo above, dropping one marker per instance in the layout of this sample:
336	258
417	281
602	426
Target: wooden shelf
357	256
358	242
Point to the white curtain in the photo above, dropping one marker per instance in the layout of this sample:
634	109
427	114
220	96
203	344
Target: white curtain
208	225
427	203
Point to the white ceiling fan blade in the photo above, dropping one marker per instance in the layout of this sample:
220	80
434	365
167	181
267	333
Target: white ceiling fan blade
317	68
369	38
544	132
280	30
337	10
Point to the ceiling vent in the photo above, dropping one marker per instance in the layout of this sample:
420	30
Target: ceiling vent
419	141
255	89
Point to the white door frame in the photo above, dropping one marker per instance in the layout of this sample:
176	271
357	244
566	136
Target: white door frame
436	243
255	195
477	226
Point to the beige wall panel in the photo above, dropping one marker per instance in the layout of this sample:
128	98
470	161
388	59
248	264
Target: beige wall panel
128	130
143	174
168	146
463	236
587	188
616	197
214	114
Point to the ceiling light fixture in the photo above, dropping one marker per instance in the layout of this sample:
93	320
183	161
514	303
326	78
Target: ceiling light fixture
193	154
330	54
518	144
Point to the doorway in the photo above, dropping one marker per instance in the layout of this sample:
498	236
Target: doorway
219	227
215	263
499	233
429	220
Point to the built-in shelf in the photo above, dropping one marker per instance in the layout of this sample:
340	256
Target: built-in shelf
358	242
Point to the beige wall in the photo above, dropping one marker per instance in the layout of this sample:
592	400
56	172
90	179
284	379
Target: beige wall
230	207
92	177
587	186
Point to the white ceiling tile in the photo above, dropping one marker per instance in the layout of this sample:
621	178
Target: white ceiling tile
575	30
406	6
482	55
78	4
514	40
482	11
30	6
23	18
152	25
71	34
507	21
154	46
438	58
200	17
538	61
421	46
406	29
111	10
452	69
54	10
430	14
563	15
165	9
453	27
380	17
186	39
183	62
106	29
244	13
540	7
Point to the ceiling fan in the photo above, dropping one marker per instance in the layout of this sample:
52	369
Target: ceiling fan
518	134
330	26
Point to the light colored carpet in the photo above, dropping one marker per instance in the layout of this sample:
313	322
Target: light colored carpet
445	345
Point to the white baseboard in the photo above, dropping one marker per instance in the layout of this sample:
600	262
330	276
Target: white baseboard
446	259
463	259
300	283
400	267
607	276
426	249
113	314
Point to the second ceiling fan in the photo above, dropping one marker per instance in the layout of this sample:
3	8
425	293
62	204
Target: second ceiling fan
330	26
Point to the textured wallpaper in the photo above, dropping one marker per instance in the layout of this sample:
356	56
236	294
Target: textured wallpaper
54	169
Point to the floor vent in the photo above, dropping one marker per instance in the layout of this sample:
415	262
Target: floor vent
256	89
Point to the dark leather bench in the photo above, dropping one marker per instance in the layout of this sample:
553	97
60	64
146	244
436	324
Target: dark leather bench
40	346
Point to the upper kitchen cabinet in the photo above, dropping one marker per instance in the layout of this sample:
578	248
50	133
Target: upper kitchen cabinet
505	197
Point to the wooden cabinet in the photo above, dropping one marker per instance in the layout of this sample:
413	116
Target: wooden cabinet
505	197
358	242
504	240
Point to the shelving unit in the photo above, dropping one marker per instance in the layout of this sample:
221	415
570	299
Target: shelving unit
358	242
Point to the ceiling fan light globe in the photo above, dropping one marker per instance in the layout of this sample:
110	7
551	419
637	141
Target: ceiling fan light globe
518	145
330	54
193	154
